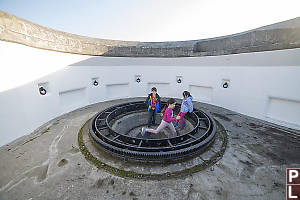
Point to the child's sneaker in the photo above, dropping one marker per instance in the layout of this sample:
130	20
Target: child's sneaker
176	124
181	127
143	131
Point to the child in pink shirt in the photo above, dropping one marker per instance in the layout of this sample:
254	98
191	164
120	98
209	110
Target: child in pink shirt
166	121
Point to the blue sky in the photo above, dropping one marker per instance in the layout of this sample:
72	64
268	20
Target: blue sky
153	20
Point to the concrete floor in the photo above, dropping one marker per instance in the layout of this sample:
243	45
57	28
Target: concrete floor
48	164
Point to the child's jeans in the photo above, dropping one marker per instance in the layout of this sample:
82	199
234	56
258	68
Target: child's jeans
181	114
163	125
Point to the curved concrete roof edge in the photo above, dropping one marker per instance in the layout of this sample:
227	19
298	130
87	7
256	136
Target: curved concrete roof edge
283	35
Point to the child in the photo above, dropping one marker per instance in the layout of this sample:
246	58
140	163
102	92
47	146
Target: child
186	106
153	102
166	121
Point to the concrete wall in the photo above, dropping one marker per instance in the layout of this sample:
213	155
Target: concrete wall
264	85
285	35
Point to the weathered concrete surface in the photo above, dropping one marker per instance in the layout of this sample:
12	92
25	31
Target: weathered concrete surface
47	164
284	35
15	29
252	41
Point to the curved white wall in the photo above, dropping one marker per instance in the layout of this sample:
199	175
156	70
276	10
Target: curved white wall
264	85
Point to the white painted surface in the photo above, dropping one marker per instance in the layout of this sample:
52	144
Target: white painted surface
21	64
264	85
117	91
203	93
72	99
274	109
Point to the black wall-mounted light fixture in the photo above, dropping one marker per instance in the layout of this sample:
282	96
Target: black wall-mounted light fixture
42	90
179	80
225	85
138	80
95	83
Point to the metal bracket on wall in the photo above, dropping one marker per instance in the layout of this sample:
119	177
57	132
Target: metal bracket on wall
225	83
179	79
138	78
95	81
42	90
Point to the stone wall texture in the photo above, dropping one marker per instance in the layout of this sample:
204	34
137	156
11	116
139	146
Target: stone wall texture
283	35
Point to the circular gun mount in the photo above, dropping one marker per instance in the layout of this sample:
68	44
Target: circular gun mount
110	135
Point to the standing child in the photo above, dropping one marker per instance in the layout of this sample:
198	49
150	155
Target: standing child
166	121
186	106
153	102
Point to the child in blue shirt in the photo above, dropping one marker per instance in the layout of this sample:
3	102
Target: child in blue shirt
186	106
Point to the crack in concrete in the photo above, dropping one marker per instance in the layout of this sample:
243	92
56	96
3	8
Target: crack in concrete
39	172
